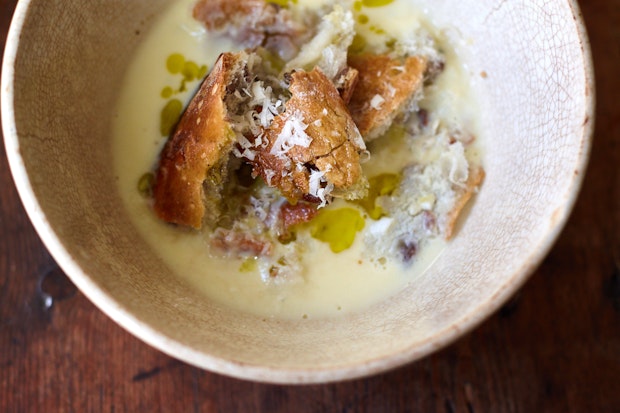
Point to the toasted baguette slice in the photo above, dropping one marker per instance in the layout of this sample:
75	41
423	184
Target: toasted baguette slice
314	146
385	89
198	149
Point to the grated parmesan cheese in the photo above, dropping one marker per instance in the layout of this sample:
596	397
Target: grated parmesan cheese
292	134
269	174
376	102
316	177
316	189
256	106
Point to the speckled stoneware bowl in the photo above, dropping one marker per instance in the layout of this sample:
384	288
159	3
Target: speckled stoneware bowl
62	71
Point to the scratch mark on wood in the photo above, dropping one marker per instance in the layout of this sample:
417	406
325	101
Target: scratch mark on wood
143	375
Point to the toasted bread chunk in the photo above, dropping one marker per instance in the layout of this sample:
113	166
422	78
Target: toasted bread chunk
314	146
253	23
311	150
196	153
384	90
219	14
475	178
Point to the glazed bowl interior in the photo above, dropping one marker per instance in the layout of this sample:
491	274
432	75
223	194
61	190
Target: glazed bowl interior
64	66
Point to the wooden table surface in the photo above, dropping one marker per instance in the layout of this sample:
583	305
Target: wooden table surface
554	347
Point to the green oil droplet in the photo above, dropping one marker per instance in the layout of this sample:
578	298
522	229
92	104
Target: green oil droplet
175	63
190	71
249	265
183	86
362	19
167	92
281	3
377	30
390	43
376	3
380	185
337	227
202	72
145	184
357	6
358	45
170	115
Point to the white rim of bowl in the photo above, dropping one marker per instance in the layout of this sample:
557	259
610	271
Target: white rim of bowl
177	350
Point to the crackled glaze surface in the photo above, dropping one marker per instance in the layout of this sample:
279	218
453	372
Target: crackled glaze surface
57	100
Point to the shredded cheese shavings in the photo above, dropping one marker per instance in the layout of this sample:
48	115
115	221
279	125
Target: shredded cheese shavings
376	102
391	89
316	189
292	134
269	174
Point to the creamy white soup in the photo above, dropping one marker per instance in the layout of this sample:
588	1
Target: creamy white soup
326	283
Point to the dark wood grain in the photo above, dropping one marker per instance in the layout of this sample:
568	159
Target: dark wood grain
555	347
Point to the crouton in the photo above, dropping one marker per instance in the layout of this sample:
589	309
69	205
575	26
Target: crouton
197	150
253	23
386	88
310	151
313	147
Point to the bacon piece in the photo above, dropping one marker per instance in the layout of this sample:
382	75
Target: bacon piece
299	213
238	244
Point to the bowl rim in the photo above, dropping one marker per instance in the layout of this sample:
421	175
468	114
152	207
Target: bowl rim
241	370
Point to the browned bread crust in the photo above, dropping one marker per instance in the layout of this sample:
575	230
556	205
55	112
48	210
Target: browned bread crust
193	165
200	141
335	145
392	82
476	176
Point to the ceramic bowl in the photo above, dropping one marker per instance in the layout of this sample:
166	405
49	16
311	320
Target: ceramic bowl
63	68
